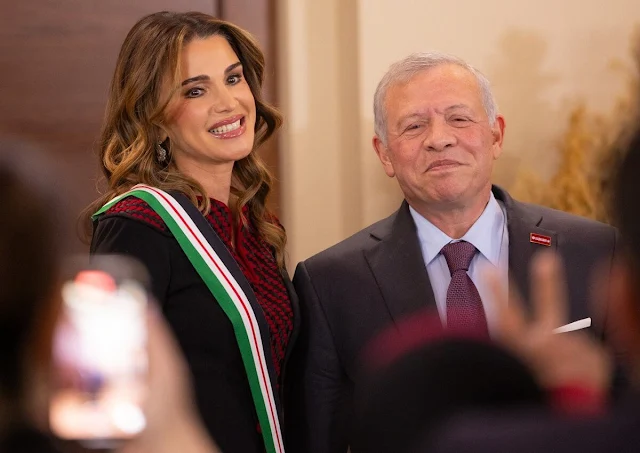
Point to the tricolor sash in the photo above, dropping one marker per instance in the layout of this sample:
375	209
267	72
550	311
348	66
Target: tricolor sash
221	274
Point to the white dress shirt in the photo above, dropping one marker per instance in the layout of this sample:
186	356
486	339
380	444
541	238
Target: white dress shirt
488	234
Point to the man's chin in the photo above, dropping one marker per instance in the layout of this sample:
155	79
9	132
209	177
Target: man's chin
450	195
449	200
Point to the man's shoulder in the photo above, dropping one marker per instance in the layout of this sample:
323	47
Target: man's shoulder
352	248
549	218
555	219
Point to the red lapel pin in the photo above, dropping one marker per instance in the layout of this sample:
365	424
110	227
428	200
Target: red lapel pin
540	239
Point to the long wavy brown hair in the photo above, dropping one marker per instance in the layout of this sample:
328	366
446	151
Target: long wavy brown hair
136	109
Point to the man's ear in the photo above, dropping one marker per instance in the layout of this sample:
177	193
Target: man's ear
497	130
383	154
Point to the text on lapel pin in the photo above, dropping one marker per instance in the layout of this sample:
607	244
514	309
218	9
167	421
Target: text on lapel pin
540	239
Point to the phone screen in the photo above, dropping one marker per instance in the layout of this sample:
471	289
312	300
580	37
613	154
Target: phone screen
100	359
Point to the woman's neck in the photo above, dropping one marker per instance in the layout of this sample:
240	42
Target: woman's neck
217	192
215	180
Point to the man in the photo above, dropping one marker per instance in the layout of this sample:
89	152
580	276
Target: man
437	131
618	429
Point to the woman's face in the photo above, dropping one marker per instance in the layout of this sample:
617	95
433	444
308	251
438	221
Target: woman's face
210	121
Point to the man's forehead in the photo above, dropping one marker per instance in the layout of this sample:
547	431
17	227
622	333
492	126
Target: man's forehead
428	90
435	79
444	107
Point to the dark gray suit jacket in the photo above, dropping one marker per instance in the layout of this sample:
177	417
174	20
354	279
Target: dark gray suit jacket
353	290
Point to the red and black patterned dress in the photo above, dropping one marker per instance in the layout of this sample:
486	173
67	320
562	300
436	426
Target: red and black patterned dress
201	327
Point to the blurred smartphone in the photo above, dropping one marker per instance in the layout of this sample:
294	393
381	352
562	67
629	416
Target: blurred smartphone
100	354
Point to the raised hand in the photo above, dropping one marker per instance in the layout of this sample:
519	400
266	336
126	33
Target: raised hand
558	359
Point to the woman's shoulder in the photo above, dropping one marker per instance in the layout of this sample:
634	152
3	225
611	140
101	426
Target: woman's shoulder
135	209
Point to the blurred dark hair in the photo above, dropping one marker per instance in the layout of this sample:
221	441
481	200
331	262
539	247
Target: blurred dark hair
626	197
30	241
412	396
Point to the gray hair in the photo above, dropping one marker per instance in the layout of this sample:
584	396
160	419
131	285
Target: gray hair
405	69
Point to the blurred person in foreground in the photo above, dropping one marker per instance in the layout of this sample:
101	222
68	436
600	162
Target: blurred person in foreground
438	132
32	239
186	196
424	376
616	430
430	378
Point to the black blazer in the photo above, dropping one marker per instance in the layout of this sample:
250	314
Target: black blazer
351	291
200	326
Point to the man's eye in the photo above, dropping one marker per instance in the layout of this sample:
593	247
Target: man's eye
459	120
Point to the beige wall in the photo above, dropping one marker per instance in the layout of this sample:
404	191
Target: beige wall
542	58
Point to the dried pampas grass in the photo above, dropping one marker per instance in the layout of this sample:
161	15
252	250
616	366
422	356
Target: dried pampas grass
589	150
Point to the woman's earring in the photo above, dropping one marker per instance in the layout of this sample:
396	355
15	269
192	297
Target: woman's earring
161	153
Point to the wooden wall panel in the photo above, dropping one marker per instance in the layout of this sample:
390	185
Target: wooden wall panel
57	59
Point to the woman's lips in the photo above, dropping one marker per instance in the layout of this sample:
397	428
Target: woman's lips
226	121
229	128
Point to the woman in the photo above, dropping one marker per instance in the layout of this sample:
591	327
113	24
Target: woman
184	119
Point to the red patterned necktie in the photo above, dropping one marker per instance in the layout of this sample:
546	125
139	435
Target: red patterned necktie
464	306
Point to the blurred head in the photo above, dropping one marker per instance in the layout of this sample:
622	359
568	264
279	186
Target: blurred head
414	394
30	236
624	299
190	83
437	130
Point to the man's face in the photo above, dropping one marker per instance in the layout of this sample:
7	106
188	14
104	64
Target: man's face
440	144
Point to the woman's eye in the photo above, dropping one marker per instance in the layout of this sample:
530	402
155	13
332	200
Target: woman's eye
413	127
233	79
194	92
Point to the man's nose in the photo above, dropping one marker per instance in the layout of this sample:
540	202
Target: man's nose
439	136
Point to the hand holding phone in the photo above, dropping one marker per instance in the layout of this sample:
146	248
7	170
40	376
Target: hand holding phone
100	358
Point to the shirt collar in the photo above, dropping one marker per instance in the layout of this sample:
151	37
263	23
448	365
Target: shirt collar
485	234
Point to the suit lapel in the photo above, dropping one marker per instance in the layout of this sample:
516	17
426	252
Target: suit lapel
521	223
398	267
